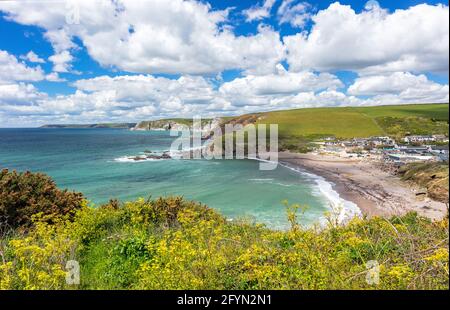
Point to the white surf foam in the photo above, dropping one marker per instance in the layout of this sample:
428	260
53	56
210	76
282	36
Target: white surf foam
341	210
131	159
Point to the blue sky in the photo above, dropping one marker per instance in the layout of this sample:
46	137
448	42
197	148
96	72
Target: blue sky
101	60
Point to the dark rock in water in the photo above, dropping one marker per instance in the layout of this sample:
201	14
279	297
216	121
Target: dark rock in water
137	158
153	157
163	156
148	151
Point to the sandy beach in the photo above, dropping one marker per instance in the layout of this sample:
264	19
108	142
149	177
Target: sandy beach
374	191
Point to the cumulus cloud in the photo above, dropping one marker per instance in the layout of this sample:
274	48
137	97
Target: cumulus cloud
13	70
32	57
139	97
126	98
259	11
294	13
61	62
150	90
155	36
54	77
395	83
282	82
196	43
400	87
19	94
373	41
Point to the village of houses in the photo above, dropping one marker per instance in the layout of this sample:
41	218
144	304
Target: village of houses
412	148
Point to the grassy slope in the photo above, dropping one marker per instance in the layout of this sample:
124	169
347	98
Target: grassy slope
436	111
341	122
350	121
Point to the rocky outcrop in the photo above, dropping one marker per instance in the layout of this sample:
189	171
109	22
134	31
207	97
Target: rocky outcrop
208	125
151	156
161	125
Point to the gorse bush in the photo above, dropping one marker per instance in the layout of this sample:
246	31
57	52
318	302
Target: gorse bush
23	195
170	243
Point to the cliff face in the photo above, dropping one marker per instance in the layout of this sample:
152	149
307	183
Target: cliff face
161	125
177	124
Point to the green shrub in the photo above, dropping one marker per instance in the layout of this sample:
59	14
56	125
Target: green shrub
23	195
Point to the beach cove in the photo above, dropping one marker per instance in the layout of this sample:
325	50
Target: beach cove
97	163
374	191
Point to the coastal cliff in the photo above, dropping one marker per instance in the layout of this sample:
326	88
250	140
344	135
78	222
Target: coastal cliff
208	125
164	124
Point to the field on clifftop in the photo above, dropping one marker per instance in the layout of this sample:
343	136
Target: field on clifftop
352	122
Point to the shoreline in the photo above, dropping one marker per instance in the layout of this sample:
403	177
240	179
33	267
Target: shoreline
375	192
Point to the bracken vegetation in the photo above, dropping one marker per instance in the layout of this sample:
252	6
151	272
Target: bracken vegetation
170	243
431	175
400	127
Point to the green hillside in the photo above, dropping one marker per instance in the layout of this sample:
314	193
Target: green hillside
432	111
322	121
299	127
352	122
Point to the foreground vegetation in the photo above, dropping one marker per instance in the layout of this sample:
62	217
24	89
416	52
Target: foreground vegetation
170	243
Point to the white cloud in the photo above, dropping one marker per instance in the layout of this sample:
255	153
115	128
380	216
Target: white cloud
149	89
156	36
259	11
19	94
60	38
13	70
373	41
282	82
54	77
61	62
139	97
399	87
388	50
32	57
395	83
322	99
294	13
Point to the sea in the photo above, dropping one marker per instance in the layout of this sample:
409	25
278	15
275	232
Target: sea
99	163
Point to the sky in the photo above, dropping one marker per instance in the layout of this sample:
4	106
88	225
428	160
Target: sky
91	61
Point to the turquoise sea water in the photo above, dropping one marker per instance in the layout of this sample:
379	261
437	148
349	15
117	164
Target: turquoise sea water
90	161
